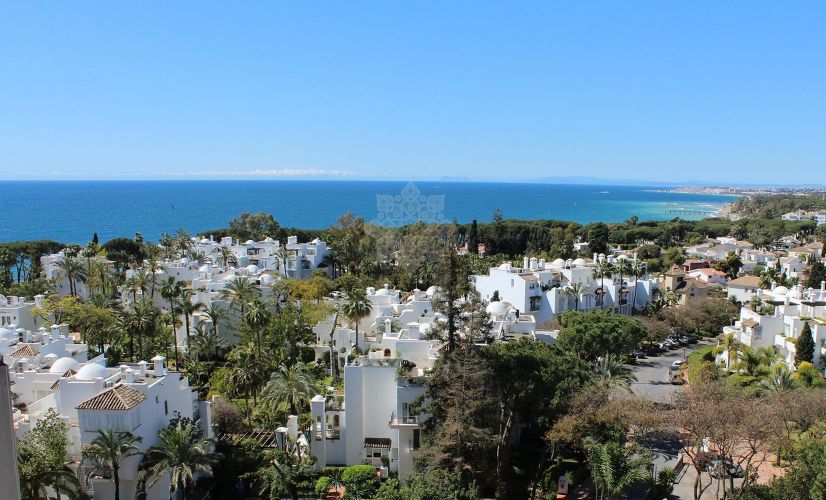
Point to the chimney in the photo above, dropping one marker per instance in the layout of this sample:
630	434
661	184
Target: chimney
158	365
142	368
388	326
525	263
413	331
533	263
292	427
281	438
40	301
596	256
542	264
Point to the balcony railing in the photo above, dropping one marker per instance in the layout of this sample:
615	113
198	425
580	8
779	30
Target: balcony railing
403	420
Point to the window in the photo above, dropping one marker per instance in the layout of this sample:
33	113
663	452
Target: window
535	303
417	439
165	408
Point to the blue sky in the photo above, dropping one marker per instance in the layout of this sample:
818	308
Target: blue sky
677	91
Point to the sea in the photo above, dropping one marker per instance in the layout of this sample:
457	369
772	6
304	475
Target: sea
72	211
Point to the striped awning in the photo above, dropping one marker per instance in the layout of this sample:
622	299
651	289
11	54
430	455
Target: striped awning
377	443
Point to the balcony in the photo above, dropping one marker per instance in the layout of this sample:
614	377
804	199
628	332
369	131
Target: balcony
403	421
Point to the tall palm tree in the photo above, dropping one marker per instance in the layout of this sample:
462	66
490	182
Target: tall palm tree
108	449
73	271
602	269
427	273
206	344
61	479
181	453
216	314
257	318
170	291
637	270
356	307
576	290
294	386
609	372
244	380
188	308
183	241
614	467
729	345
240	291
226	257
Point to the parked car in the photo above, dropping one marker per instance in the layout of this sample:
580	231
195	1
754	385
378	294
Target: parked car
640	354
691	339
677	364
337	294
682	341
724	468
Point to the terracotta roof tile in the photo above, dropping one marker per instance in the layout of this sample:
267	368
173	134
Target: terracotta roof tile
24	351
119	397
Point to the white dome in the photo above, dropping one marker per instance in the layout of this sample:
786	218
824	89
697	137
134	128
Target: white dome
504	266
63	365
266	279
268	240
558	263
780	291
204	241
432	290
382	291
579	262
91	371
497	308
249	242
252	268
203	269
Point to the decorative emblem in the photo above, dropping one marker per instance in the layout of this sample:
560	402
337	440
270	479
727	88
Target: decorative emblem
409	207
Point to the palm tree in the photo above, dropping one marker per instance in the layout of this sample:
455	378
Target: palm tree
62	480
226	257
281	256
780	380
576	290
72	270
293	386
614	467
609	372
356	307
181	453
729	345
427	273
170	291
240	291
183	240
245	379
257	318
188	308
216	314
206	344
602	269
637	270
623	268
108	449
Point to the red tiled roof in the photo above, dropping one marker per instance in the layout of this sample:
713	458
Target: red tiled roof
119	397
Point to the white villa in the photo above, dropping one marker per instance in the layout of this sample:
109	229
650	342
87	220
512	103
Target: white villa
17	311
538	288
139	398
780	329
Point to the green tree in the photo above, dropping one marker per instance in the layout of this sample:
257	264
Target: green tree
360	481
615	468
593	334
248	226
257	317
42	455
292	386
356	307
804	346
181	453
107	451
575	291
170	291
473	238
817	273
286	470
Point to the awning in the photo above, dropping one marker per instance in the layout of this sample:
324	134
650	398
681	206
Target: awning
377	443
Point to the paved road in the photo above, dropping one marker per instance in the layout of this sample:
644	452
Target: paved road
653	382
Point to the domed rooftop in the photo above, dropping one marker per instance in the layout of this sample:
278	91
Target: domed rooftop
249	242
497	308
558	262
252	268
579	262
383	291
204	269
431	291
266	279
63	365
91	371
780	291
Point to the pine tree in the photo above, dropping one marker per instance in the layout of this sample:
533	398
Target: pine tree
473	238
805	346
817	273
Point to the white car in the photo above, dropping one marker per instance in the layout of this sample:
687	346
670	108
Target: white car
677	364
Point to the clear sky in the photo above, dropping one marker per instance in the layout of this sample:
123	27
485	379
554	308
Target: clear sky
706	91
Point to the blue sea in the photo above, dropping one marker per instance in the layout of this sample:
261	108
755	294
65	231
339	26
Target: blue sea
71	211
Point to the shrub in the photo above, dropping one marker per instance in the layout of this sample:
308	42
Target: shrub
321	486
360	481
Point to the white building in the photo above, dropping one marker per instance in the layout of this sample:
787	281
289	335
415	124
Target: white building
89	397
781	327
539	288
744	288
18	311
708	275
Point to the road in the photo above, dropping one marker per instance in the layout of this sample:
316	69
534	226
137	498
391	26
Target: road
654	383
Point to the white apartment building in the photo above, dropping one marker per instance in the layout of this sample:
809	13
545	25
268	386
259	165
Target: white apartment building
138	398
538	288
780	329
17	311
